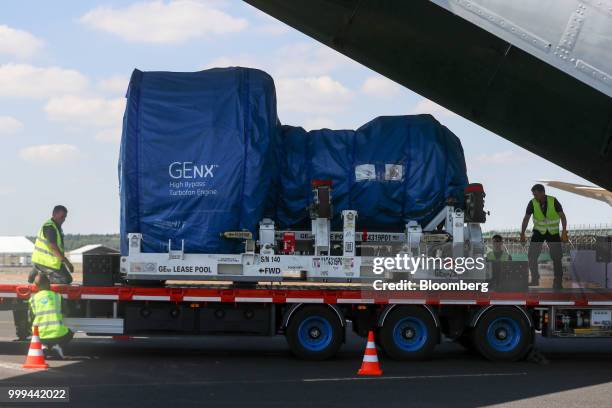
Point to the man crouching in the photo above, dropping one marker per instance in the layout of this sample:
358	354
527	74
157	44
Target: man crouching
46	307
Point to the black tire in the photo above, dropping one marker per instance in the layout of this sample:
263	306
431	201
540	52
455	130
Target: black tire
315	333
409	333
503	334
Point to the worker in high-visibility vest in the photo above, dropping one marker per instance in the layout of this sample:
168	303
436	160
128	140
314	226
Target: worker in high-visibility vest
498	254
48	256
495	257
546	212
46	308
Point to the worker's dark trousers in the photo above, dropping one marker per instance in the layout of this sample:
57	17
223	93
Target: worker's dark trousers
21	312
56	276
62	341
21	315
554	245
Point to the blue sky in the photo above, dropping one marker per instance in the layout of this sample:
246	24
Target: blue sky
64	69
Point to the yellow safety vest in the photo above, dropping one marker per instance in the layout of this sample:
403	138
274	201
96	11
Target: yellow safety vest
46	306
42	251
491	257
548	222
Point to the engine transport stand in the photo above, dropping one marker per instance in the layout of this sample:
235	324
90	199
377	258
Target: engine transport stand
318	255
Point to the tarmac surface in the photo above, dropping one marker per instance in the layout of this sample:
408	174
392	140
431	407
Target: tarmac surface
261	372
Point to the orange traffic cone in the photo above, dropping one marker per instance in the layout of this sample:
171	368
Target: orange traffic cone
370	364
36	357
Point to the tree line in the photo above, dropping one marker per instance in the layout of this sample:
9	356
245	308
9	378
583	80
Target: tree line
74	241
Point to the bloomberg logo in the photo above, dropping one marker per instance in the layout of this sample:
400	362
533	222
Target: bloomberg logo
190	170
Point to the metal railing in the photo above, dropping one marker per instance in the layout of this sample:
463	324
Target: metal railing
581	236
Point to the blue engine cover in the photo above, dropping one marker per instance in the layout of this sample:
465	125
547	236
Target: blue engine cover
391	170
197	157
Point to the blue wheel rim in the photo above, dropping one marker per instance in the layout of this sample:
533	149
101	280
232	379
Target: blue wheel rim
503	334
315	333
410	334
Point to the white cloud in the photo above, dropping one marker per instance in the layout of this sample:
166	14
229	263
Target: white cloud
295	60
501	158
162	22
302	74
432	108
86	111
116	84
52	154
9	126
380	87
269	25
241	60
18	43
317	95
109	135
7	191
273	29
320	122
305	59
27	81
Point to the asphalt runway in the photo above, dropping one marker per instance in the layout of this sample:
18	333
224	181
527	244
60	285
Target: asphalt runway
261	372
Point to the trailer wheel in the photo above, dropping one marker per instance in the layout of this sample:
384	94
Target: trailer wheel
314	333
503	334
409	333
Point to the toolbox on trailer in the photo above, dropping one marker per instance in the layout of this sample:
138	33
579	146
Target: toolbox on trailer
101	269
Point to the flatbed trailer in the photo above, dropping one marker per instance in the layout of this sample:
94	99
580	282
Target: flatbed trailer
314	317
312	285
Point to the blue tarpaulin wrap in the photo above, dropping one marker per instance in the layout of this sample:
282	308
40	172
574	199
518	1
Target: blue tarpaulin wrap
391	170
197	157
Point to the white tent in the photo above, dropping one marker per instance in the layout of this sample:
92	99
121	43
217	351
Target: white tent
76	255
15	251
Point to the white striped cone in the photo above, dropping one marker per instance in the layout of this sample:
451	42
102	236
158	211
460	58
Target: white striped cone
36	357
370	365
